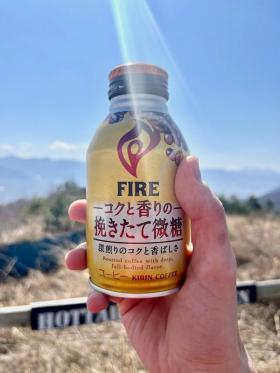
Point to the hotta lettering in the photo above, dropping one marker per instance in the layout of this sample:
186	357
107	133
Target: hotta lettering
61	318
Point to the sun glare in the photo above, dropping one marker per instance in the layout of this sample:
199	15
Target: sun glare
141	40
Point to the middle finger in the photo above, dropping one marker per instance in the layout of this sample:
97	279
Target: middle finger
76	259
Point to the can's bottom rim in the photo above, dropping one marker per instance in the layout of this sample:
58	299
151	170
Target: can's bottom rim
133	295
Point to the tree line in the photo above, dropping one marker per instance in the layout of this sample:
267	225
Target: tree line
234	205
54	208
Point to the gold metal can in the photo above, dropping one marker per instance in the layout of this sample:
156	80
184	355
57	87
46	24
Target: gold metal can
137	232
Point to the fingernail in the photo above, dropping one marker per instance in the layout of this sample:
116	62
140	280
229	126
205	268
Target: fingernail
195	167
65	260
82	245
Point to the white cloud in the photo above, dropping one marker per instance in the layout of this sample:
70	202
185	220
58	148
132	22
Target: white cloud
55	149
63	146
66	146
6	148
24	146
19	150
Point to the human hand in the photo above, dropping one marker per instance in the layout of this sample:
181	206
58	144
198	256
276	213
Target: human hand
194	330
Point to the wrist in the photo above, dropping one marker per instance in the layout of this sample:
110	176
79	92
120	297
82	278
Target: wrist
237	363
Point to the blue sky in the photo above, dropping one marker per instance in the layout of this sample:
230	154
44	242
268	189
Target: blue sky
223	60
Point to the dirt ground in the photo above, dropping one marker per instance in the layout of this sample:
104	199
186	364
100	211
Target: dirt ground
105	347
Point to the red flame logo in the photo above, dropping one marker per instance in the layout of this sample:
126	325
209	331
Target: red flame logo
130	140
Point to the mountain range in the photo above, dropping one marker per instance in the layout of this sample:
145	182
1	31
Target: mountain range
26	178
273	196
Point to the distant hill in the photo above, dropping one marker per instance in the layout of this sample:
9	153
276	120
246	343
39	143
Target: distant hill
26	178
273	196
242	183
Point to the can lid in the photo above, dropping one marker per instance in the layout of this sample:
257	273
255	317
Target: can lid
138	78
137	68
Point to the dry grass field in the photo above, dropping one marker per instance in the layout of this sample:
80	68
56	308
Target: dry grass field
104	347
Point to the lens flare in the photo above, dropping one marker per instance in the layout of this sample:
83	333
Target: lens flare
140	39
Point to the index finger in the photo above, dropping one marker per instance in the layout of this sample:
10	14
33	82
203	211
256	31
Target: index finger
78	211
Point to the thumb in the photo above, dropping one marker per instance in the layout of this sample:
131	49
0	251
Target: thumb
212	254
